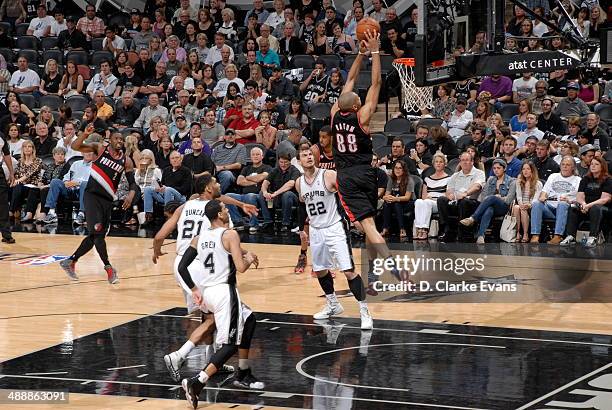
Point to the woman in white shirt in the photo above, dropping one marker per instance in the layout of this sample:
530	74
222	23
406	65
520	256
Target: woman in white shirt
434	186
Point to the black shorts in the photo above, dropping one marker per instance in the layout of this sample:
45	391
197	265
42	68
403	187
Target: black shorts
357	189
97	213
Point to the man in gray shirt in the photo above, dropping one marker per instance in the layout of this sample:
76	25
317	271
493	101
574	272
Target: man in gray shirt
211	131
229	159
461	194
142	38
290	142
572	106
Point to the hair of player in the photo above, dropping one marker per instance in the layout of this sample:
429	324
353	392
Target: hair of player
202	182
172	206
212	209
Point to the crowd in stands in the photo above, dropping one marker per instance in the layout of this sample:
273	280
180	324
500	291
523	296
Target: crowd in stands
205	90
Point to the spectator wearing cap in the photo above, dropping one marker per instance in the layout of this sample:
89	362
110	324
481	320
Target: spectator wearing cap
500	88
587	153
229	159
153	109
596	135
40	26
279	86
531	130
572	105
457	121
195	131
554	202
549	121
231	76
71	39
277	114
127	112
59	23
461	194
267	57
180	133
112	42
24	80
593	197
497	196
545	165
90	25
245	127
541	93
212	131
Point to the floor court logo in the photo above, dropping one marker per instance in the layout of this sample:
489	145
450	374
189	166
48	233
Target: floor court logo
41	260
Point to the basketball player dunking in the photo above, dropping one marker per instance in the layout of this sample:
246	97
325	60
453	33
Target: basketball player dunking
106	171
219	251
189	219
329	238
352	148
324	158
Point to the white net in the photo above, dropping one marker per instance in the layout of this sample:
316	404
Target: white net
414	98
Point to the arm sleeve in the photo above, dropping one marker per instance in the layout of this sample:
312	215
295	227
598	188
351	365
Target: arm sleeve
188	257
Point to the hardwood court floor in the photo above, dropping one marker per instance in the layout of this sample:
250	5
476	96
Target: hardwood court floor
40	307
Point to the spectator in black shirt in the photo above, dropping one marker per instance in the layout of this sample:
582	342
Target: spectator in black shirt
394	45
250	181
596	135
279	86
43	143
91	116
14	116
144	67
290	45
557	85
545	165
197	161
72	39
410	29
277	115
391	20
51	81
547	121
126	112
279	188
157	84
528	152
397	154
4	192
330	18
381	180
128	81
594	194
175	185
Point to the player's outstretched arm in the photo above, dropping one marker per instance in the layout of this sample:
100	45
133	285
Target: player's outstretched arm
249	209
371	101
351	78
167	228
231	242
80	145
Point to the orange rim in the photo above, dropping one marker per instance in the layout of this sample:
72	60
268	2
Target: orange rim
405	61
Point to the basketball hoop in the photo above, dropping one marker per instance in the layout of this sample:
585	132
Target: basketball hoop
415	98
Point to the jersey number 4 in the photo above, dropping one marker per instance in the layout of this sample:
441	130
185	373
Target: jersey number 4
209	263
316	209
350	144
188	229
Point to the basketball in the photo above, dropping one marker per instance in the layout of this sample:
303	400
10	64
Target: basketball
366	24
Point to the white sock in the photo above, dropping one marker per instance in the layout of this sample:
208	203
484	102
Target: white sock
203	377
243	364
332	299
185	349
51	211
363	304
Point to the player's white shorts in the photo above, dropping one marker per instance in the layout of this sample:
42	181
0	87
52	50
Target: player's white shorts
230	313
331	248
196	270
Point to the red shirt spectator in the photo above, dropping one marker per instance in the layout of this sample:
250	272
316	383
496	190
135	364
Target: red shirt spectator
245	127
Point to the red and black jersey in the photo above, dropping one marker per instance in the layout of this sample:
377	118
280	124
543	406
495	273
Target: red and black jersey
325	162
105	174
351	144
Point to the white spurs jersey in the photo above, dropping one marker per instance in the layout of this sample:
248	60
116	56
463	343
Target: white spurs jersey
191	223
321	204
218	264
